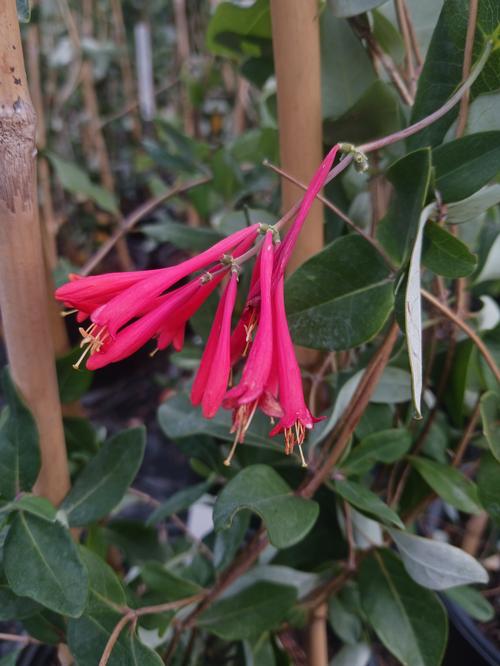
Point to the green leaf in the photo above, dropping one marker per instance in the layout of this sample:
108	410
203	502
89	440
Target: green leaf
88	636
75	180
260	489
385	446
473	603
491	267
182	236
338	46
339	298
442	70
410	177
474	206
41	562
465	165
180	501
19	450
170	586
23	10
388	36
106	477
38	506
435	564
366	501
46	626
236	31
445	254
481	117
13	607
490	414
345	623
344	8
72	383
352	655
259	652
413	312
105	588
488	485
408	619
450	484
249	613
377	112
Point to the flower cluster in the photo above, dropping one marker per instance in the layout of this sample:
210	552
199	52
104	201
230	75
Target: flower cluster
128	309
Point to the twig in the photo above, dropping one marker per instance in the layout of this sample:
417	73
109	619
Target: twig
355	410
15	638
134	105
402	17
316	380
467	436
469	45
292	648
466	329
351	560
132	614
115	635
131	220
413	36
337	211
176	520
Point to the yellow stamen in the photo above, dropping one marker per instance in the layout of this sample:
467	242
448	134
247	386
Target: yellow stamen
67	313
92	342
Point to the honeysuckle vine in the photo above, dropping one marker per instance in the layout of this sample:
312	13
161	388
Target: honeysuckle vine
128	309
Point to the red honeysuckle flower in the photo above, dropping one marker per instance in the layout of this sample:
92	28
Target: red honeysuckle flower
244	398
296	416
211	380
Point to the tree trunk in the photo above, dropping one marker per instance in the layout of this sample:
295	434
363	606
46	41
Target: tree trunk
23	294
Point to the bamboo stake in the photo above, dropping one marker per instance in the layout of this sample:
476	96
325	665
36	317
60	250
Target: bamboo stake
295	29
23	295
48	222
318	641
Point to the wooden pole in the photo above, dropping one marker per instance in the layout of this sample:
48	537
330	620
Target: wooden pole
318	640
23	294
295	30
48	223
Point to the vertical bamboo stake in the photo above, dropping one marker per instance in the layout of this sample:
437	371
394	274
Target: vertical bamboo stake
318	640
48	222
23	295
295	29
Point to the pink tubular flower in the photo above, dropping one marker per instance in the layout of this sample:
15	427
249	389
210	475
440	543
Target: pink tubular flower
212	377
129	309
296	416
244	398
114	300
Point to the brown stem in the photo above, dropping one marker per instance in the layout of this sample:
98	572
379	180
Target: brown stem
373	242
402	16
131	220
467	436
131	615
469	45
355	411
15	638
466	329
23	294
413	36
129	91
391	69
